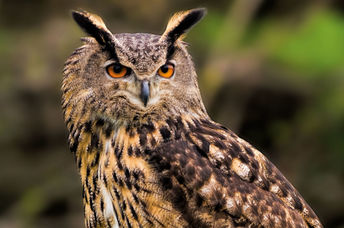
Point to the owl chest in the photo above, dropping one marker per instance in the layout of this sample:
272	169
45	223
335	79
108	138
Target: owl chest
130	191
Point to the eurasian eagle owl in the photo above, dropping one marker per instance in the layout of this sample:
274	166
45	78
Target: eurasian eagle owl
147	151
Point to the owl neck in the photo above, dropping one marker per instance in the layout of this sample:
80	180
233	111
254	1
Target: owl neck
92	140
92	135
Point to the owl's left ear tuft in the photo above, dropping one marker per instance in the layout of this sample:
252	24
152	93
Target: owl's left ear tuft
181	22
93	25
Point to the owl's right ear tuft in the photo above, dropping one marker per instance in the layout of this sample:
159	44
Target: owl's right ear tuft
181	22
93	25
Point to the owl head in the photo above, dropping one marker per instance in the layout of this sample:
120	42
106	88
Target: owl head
131	76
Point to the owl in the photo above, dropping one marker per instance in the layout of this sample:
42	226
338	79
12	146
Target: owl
148	153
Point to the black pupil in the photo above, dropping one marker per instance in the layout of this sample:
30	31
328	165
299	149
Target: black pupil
164	68
117	68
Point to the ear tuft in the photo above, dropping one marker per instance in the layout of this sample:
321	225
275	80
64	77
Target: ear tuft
181	22
93	25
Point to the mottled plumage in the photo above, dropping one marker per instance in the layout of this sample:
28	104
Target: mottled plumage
148	153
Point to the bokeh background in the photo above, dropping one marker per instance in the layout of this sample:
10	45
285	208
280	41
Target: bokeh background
271	70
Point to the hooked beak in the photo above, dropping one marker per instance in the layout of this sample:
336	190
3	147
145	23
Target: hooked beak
144	92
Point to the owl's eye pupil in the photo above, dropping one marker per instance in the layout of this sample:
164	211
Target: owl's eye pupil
164	68
117	68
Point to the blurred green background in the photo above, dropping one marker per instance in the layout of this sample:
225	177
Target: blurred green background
273	71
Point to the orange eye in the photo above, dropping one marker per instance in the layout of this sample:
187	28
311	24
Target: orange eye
117	70
166	70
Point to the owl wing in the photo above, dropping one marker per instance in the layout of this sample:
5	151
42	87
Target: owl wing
214	177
